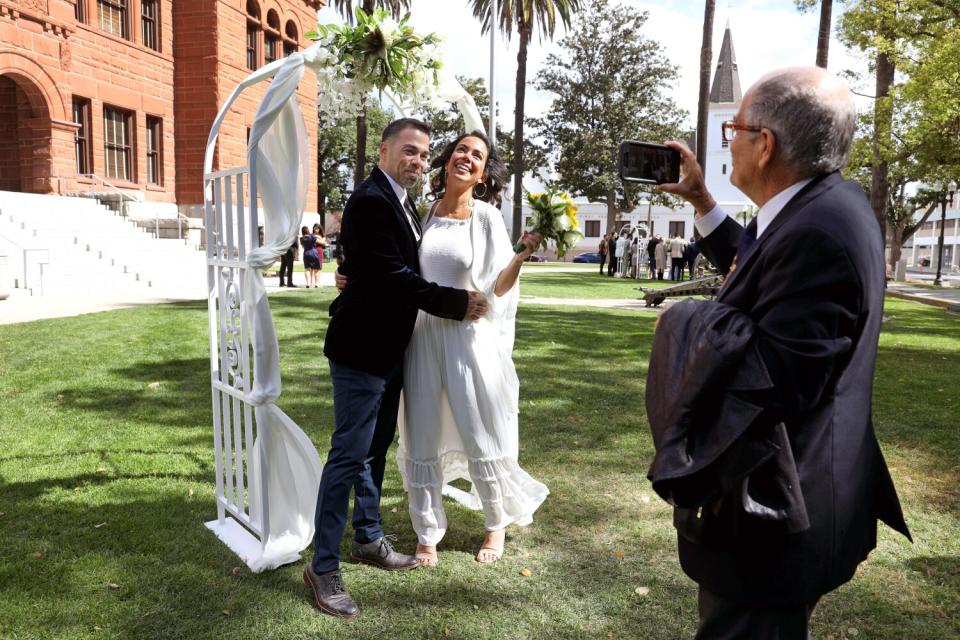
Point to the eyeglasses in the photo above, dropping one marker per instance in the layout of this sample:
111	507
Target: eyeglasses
730	128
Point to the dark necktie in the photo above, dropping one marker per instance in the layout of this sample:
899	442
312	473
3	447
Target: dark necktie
414	217
746	242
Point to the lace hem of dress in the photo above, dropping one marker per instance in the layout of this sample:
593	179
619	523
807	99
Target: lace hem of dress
500	485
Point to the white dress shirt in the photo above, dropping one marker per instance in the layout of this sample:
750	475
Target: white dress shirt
402	197
765	216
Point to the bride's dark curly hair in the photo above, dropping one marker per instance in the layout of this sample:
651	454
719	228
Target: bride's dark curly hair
488	190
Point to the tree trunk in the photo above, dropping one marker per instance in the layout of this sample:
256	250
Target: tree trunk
882	123
896	243
612	211
360	170
524	31
706	59
823	37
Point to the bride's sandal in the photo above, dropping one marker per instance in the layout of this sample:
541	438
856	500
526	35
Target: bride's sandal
490	552
427	556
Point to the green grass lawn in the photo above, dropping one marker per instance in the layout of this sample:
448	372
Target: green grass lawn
106	479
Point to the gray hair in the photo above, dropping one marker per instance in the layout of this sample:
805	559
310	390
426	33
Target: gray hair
812	115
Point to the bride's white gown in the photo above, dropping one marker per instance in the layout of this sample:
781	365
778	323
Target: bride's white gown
461	392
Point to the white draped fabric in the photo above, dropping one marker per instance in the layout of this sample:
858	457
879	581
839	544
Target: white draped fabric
279	163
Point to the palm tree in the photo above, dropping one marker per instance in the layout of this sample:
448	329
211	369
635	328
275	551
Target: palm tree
527	16
823	37
703	105
345	8
395	7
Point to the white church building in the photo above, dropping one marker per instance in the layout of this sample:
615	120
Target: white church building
725	98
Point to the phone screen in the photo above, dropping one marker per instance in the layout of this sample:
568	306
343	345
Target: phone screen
649	163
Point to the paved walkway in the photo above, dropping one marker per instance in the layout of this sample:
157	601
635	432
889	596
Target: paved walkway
945	297
23	308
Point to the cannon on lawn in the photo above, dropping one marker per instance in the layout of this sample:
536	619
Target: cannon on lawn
707	286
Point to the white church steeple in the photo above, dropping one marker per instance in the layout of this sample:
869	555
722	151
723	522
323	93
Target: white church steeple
725	98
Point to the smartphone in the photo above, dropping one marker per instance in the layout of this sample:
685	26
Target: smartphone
648	162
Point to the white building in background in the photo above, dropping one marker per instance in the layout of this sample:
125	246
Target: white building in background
725	98
922	250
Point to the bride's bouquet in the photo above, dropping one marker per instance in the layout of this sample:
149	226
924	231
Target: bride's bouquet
555	216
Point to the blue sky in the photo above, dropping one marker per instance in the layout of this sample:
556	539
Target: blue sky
767	34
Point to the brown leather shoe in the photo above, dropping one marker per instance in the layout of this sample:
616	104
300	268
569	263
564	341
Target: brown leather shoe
380	553
329	594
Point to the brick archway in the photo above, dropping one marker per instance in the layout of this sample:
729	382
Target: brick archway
32	119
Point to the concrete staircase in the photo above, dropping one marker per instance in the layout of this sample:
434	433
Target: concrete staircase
58	245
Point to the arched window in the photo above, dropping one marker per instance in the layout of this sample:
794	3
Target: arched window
253	35
291	38
272	37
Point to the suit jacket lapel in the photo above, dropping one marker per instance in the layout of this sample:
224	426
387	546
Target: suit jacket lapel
380	179
813	190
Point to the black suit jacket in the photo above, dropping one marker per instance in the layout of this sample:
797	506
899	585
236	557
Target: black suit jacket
813	286
372	319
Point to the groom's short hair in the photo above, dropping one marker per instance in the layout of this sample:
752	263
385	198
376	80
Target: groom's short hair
400	124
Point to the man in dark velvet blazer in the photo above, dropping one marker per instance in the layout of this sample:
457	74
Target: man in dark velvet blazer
371	324
809	273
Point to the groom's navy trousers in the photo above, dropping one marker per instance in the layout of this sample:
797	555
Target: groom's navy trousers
365	407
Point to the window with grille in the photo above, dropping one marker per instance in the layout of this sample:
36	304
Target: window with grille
253	35
112	15
591	229
148	23
272	51
676	229
154	150
118	143
81	138
80	10
290	39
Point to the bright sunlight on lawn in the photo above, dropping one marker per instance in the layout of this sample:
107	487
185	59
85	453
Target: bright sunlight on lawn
106	471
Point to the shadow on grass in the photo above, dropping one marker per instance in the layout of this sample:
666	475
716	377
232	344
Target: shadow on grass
158	573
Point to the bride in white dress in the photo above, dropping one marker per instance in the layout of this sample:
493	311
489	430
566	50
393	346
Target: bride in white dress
461	388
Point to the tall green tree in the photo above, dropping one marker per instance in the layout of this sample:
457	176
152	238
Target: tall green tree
447	124
527	16
914	50
345	8
904	172
337	156
823	33
395	7
610	85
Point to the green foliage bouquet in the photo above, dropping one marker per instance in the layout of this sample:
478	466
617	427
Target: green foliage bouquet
555	216
377	52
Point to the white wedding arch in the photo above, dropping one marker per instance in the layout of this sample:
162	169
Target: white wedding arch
267	469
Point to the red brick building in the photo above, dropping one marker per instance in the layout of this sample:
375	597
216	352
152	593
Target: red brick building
127	90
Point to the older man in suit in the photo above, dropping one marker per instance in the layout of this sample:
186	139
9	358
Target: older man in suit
806	277
372	321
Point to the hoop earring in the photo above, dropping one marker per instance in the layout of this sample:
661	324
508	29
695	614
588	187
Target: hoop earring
482	194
